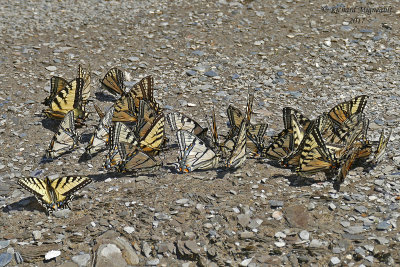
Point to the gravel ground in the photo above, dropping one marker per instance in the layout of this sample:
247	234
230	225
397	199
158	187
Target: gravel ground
309	56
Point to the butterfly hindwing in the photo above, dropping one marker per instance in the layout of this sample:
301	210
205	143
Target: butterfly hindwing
65	139
194	153
101	134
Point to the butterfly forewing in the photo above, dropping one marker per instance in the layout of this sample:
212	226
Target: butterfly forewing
178	121
56	85
85	76
113	81
238	154
344	110
125	109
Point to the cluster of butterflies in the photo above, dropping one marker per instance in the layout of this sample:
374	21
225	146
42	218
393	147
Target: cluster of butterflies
133	132
331	143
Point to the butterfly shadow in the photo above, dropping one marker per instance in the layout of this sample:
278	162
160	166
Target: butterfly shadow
102	97
28	203
50	124
296	180
104	176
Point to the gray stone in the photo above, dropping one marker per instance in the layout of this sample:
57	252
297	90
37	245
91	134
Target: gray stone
243	219
246	234
128	253
64	213
246	262
334	261
275	203
210	73
332	206
354	229
153	262
146	249
255	223
133	59
304	235
4	243
81	260
51	68
109	255
198	53
191	73
5	259
384	225
182	201
345	223
360	209
315	243
37	235
129	229
297	216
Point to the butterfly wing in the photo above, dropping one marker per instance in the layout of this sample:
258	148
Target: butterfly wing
314	155
37	187
65	187
194	154
57	84
85	76
344	110
101	135
134	158
154	139
178	121
125	109
113	81
69	98
65	139
281	146
238	154
381	149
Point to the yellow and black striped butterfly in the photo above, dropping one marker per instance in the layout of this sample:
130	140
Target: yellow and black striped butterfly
145	118
133	158
113	81
154	139
238	153
314	156
120	133
178	121
67	99
65	139
125	109
288	140
381	149
255	132
345	168
55	194
85	76
56	85
101	135
194	153
342	111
